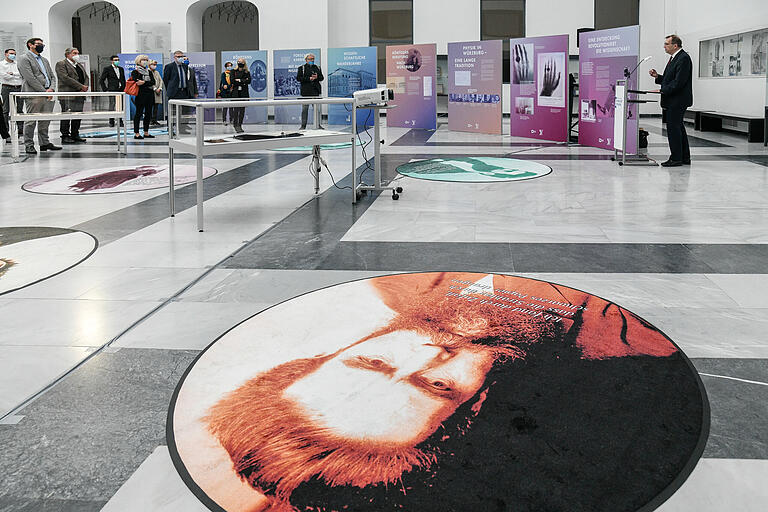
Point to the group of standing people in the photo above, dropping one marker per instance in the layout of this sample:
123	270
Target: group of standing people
234	84
31	72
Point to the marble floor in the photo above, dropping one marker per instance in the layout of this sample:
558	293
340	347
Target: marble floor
89	358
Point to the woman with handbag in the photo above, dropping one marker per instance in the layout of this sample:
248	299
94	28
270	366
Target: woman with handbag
241	81
144	100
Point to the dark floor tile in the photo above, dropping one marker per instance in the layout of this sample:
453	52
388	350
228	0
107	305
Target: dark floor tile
127	220
49	505
732	258
419	256
693	140
86	436
739	409
652	258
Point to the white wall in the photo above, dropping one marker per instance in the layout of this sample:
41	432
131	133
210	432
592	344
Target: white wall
441	22
694	20
348	23
283	25
544	18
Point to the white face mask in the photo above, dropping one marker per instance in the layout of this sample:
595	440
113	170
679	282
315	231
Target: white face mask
75	58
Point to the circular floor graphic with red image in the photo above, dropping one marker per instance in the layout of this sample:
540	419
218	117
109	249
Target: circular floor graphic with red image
439	391
116	179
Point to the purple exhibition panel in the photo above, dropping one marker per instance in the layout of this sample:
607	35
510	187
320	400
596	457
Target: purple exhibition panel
603	56
474	86
412	74
539	87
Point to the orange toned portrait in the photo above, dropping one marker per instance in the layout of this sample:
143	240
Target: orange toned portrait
403	391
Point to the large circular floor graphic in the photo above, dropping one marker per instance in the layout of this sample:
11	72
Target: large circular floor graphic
30	254
116	179
478	169
439	392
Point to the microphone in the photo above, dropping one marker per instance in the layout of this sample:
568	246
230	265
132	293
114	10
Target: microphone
628	73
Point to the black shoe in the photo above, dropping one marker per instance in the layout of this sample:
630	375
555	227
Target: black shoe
303	127
31	150
66	139
138	137
148	136
50	147
80	140
671	163
686	162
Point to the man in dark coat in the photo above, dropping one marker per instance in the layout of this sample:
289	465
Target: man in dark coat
112	79
676	96
180	84
309	76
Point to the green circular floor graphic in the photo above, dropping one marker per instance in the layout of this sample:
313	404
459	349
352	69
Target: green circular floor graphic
474	169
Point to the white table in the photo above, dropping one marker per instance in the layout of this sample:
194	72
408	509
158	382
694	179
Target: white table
199	146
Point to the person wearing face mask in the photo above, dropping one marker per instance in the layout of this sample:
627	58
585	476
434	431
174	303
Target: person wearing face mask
11	82
72	77
309	76
145	99
241	80
158	88
180	84
112	79
37	76
225	90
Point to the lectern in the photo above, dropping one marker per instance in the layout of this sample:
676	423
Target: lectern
620	134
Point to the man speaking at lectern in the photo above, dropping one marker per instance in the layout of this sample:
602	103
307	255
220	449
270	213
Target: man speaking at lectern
676	96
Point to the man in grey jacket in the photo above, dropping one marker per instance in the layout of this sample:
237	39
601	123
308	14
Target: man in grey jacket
72	77
37	76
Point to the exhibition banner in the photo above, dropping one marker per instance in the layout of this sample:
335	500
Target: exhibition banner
256	62
539	87
412	73
604	55
286	64
127	61
350	70
204	66
474	86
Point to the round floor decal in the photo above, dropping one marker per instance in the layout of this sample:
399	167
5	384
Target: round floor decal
480	169
439	391
116	179
30	254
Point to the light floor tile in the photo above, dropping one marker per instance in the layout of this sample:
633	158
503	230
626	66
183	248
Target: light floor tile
67	323
155	487
187	325
717	485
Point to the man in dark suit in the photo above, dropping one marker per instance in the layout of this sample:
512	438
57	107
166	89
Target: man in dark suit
309	76
112	79
676	96
180	83
72	77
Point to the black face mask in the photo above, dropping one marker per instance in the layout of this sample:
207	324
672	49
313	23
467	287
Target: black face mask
240	65
39	47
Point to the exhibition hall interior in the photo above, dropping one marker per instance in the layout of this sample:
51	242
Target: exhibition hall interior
384	255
